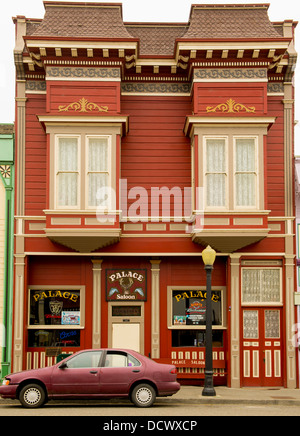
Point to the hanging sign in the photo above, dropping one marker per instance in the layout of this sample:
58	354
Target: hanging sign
126	285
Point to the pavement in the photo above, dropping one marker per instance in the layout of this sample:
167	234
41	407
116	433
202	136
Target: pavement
224	395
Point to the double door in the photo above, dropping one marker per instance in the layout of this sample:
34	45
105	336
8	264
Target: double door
262	353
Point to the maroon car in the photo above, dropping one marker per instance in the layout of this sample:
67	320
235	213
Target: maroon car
94	374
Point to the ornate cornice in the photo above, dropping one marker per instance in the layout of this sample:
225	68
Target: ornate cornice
82	73
231	74
155	88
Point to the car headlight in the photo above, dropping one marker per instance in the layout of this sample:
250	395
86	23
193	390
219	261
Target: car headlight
5	382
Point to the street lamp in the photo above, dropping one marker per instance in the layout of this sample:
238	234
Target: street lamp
208	256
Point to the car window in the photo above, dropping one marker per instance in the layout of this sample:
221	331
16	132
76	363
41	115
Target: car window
120	360
132	361
89	359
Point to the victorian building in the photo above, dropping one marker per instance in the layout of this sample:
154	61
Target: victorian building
137	145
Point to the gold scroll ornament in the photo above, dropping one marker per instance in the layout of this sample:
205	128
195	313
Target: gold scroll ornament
230	107
83	105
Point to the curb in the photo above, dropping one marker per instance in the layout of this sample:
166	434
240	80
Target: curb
172	401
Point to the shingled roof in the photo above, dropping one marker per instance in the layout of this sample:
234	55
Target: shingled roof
230	21
104	20
157	38
89	20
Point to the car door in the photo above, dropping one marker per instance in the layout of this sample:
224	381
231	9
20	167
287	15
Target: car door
78	376
119	371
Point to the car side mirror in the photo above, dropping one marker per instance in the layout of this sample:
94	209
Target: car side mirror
63	365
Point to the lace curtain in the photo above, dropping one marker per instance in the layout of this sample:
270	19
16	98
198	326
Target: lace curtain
97	172
261	285
215	172
68	172
245	172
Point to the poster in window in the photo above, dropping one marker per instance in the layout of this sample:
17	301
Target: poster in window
126	285
70	318
189	307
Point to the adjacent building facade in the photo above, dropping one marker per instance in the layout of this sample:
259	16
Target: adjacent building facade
137	145
7	178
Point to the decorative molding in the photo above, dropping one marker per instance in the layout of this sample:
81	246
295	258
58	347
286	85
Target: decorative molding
35	86
83	105
83	73
230	107
5	171
155	88
231	74
276	88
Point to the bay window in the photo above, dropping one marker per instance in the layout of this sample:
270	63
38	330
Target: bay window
245	173
83	172
97	170
67	174
230	166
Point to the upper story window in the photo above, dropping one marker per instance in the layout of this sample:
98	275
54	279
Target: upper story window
230	172
82	170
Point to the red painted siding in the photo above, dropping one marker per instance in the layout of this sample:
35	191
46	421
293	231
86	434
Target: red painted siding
156	153
250	95
63	94
275	159
35	160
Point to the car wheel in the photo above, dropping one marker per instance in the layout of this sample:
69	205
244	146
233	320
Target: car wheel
143	395
32	396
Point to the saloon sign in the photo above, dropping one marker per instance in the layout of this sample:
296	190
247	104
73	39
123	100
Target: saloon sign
126	285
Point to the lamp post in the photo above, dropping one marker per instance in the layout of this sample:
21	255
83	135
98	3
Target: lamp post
208	256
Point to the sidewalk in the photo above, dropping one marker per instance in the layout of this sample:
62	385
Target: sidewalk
224	395
275	396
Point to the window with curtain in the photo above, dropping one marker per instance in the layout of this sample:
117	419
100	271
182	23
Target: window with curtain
216	172
261	285
67	175
231	172
245	172
98	171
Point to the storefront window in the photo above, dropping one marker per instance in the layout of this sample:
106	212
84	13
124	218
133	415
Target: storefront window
54	307
189	308
55	317
53	338
195	338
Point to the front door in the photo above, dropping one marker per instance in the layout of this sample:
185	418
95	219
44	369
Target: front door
126	326
126	336
262	353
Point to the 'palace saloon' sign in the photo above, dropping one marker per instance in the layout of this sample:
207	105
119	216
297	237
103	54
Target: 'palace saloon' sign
126	285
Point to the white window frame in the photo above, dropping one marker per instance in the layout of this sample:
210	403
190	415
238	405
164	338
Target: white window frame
65	207
256	172
171	326
58	326
82	192
205	173
109	170
230	150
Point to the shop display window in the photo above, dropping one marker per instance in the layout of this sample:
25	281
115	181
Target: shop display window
53	338
189	308
55	317
195	338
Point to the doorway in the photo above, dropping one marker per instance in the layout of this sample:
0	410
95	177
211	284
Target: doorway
262	352
126	326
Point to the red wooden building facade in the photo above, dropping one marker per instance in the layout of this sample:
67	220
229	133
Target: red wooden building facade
137	145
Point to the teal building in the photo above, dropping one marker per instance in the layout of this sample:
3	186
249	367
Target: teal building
6	244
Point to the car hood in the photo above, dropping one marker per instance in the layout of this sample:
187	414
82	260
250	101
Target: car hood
30	373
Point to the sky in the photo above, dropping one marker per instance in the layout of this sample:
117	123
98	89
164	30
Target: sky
133	10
